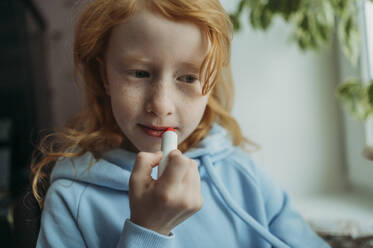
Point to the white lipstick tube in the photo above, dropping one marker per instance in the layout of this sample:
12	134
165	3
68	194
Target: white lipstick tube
169	143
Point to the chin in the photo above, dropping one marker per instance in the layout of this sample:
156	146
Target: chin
149	149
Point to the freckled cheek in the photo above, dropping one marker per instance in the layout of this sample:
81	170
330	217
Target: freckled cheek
192	112
126	103
200	110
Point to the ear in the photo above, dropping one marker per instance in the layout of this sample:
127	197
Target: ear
103	75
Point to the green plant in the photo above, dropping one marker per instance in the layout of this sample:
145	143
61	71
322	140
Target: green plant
315	22
357	97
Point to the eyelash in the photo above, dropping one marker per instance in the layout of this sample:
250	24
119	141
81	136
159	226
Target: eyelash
192	77
134	73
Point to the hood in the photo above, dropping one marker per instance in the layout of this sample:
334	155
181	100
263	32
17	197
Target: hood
114	168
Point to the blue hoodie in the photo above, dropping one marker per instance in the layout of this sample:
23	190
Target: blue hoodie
87	204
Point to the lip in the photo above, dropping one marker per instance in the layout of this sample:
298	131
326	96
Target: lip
155	131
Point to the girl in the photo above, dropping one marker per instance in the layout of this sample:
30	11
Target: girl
148	65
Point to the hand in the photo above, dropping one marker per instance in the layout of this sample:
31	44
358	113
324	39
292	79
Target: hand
162	204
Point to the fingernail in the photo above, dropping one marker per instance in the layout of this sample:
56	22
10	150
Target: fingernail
176	151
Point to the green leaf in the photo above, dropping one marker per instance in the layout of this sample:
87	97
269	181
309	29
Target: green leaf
241	6
370	93
257	18
357	98
349	37
350	90
313	20
235	21
340	6
266	18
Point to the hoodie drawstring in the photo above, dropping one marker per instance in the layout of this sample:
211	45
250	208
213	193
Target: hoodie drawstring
206	161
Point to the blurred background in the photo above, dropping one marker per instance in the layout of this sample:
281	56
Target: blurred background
285	101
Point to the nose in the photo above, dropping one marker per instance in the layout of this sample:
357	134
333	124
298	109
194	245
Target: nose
160	100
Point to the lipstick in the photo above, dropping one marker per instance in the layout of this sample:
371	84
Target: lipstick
169	143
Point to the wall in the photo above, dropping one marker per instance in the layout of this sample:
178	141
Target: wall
65	94
284	99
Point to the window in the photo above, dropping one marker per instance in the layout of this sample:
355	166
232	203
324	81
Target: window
359	135
368	38
367	61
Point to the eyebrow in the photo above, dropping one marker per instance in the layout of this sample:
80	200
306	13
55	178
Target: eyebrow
136	59
191	65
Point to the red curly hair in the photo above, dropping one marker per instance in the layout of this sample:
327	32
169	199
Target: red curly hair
94	128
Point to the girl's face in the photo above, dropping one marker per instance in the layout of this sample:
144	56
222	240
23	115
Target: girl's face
152	68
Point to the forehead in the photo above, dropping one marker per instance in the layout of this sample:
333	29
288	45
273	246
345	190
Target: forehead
154	36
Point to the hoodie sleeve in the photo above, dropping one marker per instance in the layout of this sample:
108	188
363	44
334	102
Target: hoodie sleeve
134	236
283	220
59	226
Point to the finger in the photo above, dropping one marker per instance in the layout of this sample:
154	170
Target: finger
192	174
176	168
144	164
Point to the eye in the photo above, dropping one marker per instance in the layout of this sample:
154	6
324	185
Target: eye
139	74
188	78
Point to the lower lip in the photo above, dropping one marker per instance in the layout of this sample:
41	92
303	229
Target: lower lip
152	132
